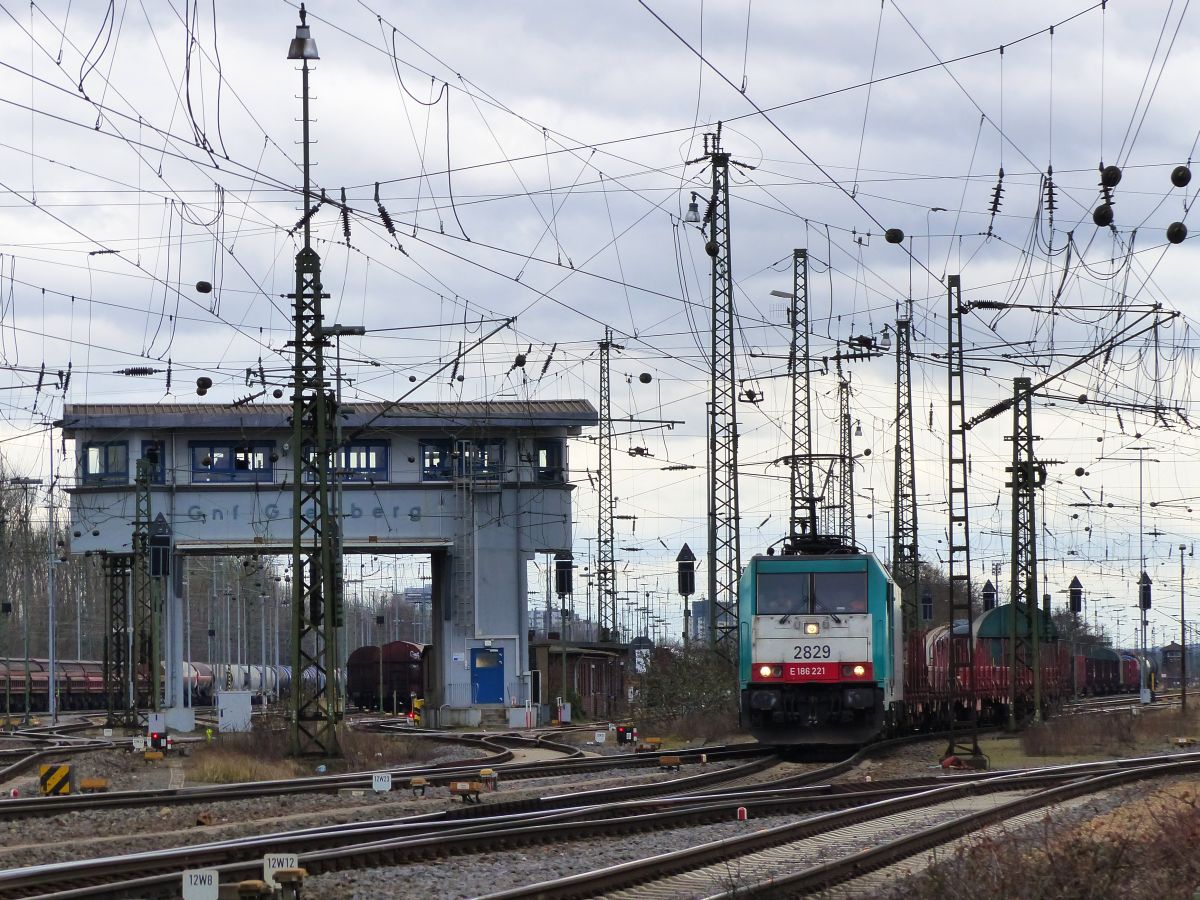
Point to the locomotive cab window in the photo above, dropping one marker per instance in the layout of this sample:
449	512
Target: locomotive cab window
782	593
839	592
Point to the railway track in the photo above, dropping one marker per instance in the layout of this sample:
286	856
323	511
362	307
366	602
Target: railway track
467	830
550	818
499	758
462	828
892	823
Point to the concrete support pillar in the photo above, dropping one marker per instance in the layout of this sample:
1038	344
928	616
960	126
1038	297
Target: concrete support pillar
180	715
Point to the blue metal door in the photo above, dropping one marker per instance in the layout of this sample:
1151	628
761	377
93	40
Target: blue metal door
487	675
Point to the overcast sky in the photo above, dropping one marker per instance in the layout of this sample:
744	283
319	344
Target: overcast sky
150	145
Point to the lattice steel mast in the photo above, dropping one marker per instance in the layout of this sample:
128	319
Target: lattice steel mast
316	573
147	627
905	558
845	461
804	500
1027	476
724	545
963	735
606	574
118	674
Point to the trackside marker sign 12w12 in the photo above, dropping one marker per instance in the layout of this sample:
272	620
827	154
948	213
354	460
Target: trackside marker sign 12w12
273	862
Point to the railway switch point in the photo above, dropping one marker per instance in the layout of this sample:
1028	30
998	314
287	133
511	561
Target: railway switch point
489	778
254	888
418	785
153	756
670	763
289	881
468	790
1183	741
965	762
93	785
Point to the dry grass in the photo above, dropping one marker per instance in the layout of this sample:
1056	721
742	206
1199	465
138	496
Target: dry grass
372	750
707	728
1119	854
1108	734
263	755
232	758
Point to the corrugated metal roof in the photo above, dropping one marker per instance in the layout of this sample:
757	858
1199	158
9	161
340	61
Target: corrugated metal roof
498	413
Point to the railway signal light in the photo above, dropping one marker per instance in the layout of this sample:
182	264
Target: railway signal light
1144	591
687	571
989	595
563	565
1075	594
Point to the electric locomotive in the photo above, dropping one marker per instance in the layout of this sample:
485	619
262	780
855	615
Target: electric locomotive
821	653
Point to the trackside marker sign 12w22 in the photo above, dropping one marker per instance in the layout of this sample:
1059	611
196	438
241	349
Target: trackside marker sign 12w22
200	884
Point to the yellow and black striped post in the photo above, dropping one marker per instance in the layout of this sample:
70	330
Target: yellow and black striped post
54	780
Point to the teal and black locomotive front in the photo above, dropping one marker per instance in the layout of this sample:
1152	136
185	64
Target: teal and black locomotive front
820	649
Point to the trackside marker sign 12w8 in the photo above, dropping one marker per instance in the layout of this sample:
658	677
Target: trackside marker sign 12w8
200	884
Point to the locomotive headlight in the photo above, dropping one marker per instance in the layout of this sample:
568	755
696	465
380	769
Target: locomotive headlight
765	671
860	671
812	628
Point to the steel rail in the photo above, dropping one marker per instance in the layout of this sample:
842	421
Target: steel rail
645	871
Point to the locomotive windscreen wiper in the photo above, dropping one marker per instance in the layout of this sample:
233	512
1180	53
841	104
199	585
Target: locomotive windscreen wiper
783	621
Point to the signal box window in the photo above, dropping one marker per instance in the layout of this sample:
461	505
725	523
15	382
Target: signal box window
106	463
436	460
548	460
156	452
364	461
839	592
481	459
782	593
227	462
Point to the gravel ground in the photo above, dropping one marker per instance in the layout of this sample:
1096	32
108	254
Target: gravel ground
479	874
106	832
75	835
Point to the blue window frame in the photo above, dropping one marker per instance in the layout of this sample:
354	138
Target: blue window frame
220	461
358	461
106	462
437	459
158	451
364	461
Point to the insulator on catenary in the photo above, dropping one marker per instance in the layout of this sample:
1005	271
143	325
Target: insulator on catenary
138	370
67	379
1051	202
345	217
546	364
997	194
383	213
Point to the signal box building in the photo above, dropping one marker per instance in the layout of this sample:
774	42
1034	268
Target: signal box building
479	487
